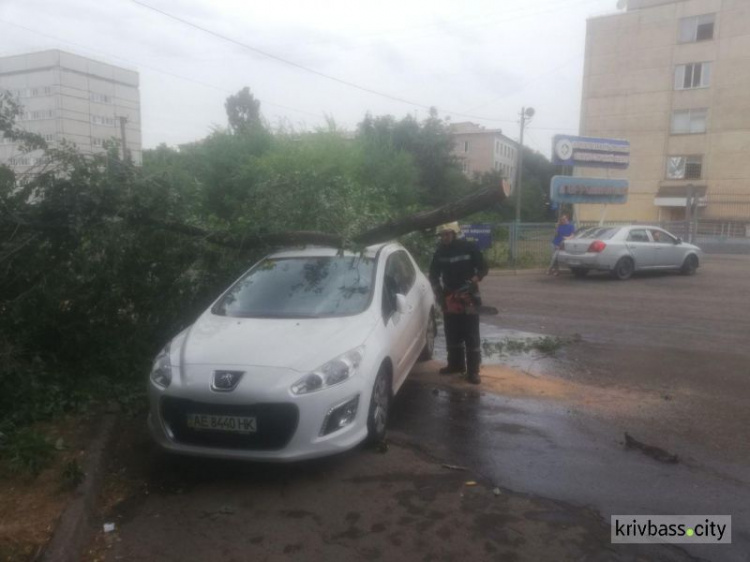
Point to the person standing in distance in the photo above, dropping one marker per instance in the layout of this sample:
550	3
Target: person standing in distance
455	272
563	232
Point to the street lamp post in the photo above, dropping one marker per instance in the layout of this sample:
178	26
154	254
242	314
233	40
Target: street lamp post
526	114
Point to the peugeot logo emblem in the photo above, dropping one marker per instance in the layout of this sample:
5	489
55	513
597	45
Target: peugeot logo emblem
226	381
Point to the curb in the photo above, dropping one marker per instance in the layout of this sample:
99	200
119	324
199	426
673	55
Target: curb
75	526
513	272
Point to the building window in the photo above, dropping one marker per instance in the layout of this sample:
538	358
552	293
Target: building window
698	28
50	137
685	167
24	161
466	146
689	121
37	115
101	120
695	75
465	166
100	98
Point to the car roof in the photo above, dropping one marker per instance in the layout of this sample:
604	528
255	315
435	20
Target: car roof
328	251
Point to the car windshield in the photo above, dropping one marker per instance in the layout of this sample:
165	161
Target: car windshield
304	287
600	233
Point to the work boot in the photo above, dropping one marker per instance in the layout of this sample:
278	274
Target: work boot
473	360
456	361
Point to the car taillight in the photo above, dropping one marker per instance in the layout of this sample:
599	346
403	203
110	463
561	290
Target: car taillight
596	246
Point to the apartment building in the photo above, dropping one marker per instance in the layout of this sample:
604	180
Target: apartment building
66	96
482	150
673	78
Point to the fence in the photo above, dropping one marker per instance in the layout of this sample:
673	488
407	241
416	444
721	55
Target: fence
524	245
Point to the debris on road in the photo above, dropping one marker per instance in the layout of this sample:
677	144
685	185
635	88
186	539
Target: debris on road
471	483
454	467
496	491
655	453
109	527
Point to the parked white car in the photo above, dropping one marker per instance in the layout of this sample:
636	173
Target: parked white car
627	249
299	358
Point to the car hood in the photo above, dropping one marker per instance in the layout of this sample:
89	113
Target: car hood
297	344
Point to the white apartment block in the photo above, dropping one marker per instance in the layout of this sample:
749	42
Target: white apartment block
482	150
673	78
66	96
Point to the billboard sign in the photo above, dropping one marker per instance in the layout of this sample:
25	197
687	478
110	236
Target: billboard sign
589	151
481	234
569	189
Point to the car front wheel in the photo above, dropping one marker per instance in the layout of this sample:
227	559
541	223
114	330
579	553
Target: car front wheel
429	341
624	269
690	265
380	406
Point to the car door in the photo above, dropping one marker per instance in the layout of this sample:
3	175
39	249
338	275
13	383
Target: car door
414	292
667	253
397	324
640	247
401	327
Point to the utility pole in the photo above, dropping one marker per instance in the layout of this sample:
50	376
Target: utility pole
526	114
125	152
689	208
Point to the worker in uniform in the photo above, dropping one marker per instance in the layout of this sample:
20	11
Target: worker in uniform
455	272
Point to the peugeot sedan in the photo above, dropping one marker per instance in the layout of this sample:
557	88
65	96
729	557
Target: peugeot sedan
299	358
625	250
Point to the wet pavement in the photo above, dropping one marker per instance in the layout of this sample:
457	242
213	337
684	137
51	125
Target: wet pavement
664	358
555	451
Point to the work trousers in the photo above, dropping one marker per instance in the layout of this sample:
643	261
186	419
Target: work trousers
462	342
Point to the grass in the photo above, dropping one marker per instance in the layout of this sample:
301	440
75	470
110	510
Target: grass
25	451
72	474
546	345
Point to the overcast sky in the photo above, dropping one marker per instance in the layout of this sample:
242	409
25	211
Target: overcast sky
480	58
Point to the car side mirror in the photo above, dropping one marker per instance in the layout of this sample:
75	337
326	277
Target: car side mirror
401	306
679	241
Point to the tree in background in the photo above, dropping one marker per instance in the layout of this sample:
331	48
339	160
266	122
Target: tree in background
535	203
243	112
430	144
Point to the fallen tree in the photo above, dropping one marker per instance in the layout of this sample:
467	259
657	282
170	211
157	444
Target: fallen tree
424	220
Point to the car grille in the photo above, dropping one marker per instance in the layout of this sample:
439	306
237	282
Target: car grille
276	424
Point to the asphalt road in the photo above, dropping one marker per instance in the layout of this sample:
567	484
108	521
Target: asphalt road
662	357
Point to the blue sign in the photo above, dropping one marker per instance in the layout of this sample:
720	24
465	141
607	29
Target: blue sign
589	151
481	234
569	189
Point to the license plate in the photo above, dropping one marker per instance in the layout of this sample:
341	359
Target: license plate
233	424
574	262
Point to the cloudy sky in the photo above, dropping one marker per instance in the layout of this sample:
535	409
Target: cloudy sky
476	60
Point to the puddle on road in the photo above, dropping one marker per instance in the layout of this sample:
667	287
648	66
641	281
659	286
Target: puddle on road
510	356
527	351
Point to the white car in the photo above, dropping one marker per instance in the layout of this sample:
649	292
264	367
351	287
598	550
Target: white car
299	358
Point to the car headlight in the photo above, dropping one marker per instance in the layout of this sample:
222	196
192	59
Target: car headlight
161	371
332	373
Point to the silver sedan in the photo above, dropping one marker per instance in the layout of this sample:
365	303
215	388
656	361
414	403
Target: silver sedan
624	250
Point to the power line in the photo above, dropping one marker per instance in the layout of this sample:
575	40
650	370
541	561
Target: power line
261	52
529	82
280	59
98	52
311	70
